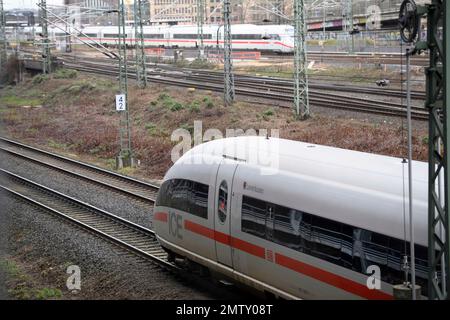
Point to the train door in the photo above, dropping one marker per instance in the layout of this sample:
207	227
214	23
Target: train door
223	210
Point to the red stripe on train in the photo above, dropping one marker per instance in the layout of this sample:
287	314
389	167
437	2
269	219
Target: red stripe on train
330	278
161	216
284	261
225	239
190	41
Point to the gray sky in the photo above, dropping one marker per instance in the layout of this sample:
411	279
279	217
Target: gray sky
12	4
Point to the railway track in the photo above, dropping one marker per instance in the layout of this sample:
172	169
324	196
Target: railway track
137	189
250	89
270	83
133	238
126	234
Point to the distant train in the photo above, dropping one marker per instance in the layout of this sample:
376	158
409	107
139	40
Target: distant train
313	228
270	38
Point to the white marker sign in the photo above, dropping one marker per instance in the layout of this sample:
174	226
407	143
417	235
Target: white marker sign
121	103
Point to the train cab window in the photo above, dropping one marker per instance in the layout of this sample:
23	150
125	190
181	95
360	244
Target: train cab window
163	199
222	202
184	195
271	37
181	194
254	216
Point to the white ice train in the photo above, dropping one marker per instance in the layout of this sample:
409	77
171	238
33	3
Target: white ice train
270	38
310	229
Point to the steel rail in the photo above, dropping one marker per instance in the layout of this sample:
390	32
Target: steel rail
124	233
273	83
141	190
344	103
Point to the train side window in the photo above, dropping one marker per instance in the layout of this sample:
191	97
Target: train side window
292	228
347	246
199	205
377	249
111	35
153	36
223	201
394	260
326	239
422	268
254	216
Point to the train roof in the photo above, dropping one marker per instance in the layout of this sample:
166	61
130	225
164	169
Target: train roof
364	180
290	152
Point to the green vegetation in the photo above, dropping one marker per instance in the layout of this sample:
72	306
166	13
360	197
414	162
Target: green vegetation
201	64
40	78
328	42
48	293
188	127
174	105
65	74
23	283
194	106
56	145
126	171
267	114
10	267
208	102
15	101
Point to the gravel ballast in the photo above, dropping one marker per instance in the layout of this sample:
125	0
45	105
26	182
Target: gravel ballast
44	246
100	197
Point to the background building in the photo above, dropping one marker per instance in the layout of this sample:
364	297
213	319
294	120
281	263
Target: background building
320	13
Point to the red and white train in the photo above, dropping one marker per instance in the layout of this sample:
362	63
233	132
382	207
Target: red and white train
270	38
307	221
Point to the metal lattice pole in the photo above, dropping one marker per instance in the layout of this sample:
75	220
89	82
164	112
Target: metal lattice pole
438	91
141	71
125	158
349	25
46	54
3	42
228	62
200	22
301	99
68	33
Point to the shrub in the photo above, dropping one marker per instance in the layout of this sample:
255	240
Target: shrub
40	78
65	74
176	106
194	106
208	102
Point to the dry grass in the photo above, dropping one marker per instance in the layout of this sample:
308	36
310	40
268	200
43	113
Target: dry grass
77	117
